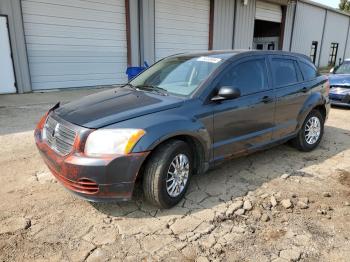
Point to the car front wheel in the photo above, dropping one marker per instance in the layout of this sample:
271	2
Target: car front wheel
167	173
311	132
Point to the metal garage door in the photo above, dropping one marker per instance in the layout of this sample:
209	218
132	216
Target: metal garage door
7	76
181	26
74	43
268	12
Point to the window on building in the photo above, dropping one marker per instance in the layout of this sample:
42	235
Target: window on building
250	77
284	72
333	54
271	46
259	46
313	53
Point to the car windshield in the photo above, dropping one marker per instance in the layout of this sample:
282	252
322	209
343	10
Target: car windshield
177	75
343	69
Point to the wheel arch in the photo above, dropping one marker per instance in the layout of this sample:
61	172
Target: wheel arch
314	101
200	154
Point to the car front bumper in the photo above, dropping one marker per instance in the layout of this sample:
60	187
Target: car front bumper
339	103
339	99
94	179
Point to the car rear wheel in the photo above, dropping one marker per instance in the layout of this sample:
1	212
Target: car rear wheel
167	173
311	132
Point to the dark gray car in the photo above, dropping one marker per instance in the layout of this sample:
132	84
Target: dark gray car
181	116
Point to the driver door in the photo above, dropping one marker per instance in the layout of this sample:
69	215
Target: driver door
246	122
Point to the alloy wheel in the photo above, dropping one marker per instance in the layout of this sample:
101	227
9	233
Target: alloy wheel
178	174
312	130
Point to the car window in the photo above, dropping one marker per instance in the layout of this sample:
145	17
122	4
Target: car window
309	72
284	71
178	75
250	77
343	69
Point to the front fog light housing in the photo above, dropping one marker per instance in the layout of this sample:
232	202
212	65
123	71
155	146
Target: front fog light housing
112	141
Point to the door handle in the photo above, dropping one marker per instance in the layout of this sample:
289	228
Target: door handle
267	99
304	89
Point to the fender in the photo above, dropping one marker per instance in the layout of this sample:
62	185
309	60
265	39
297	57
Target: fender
175	126
314	100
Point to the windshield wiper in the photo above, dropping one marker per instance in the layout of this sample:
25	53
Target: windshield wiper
158	89
132	86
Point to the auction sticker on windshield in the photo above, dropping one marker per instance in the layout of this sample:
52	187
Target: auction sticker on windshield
209	59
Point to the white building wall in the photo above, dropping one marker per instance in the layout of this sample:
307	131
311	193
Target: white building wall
181	26
288	29
335	31
69	46
244	25
223	24
12	8
347	47
308	27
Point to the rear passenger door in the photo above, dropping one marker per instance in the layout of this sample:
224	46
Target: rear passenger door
291	94
245	122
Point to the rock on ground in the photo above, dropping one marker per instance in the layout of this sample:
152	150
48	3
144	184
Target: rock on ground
286	203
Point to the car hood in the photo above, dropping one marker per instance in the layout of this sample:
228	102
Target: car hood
115	105
339	80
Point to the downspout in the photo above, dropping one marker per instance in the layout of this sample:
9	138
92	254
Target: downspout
128	37
346	41
234	25
211	25
293	24
321	45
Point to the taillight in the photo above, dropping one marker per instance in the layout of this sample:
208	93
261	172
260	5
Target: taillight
327	87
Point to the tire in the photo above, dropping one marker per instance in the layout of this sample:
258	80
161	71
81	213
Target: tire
155	174
301	140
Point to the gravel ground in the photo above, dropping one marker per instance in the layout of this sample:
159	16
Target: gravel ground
276	205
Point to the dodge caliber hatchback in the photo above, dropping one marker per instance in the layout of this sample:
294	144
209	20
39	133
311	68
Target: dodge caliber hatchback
178	118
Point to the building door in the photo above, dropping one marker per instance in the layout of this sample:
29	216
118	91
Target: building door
7	76
75	43
267	28
181	26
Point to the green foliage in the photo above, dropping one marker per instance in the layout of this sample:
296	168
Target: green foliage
344	5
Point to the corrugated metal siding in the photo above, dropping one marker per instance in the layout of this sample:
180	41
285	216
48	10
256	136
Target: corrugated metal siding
12	8
244	25
224	11
134	32
335	32
268	12
308	27
147	51
288	28
74	43
347	48
181	26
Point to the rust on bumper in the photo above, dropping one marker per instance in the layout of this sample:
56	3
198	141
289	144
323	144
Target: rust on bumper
93	178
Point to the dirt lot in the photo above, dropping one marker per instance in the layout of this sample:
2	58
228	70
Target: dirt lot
276	205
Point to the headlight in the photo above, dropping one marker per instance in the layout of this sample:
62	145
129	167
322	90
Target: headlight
112	141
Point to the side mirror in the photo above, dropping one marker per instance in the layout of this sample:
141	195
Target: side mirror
227	93
334	69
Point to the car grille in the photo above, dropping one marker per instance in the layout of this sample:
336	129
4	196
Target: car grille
336	97
58	136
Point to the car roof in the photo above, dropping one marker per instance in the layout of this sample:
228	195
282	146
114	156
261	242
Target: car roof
227	54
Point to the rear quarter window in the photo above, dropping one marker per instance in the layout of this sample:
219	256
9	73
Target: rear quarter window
284	72
308	71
